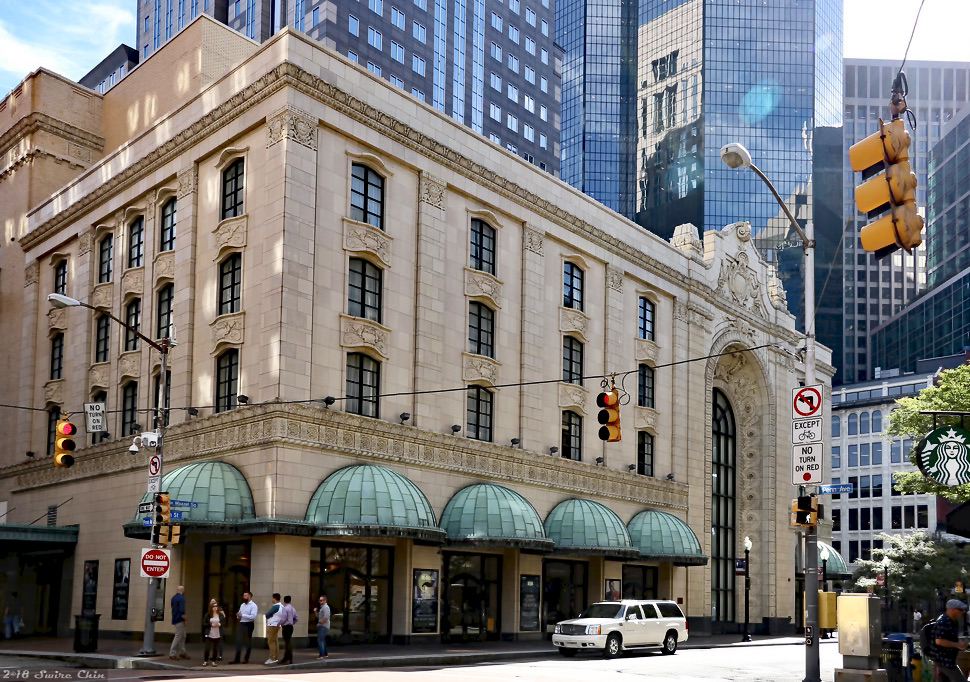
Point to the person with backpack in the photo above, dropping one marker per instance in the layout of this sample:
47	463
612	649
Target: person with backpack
945	642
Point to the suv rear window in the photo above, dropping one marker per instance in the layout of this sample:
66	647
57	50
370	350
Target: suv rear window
668	609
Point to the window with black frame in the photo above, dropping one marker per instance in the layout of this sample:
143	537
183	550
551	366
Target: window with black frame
133	320
227	380
571	446
102	338
481	327
644	453
166	297
57	356
367	196
645	315
479	413
99	436
106	248
230	284
365	290
129	408
167	233
572	360
572	286
136	242
60	278
233	185
483	246
363	385
645	386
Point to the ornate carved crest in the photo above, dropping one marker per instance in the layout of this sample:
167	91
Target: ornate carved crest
574	321
133	281
129	364
357	332
294	124
98	375
52	391
84	243
231	233
188	182
739	281
55	319
30	274
572	396
483	285
101	296
479	369
614	278
165	265
532	240
433	190
362	237
645	418
646	350
227	329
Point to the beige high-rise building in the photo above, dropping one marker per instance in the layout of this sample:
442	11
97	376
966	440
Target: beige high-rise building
391	333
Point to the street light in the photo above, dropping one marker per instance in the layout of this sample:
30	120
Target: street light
162	346
747	585
735	155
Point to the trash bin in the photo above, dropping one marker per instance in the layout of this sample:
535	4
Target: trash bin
897	652
86	633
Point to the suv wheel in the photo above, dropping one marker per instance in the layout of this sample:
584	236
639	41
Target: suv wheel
613	646
670	643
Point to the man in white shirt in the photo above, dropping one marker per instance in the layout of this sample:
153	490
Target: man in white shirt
247	621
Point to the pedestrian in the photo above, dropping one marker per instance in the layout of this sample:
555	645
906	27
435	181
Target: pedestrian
212	629
288	619
247	622
12	616
946	643
917	619
177	650
273	629
323	625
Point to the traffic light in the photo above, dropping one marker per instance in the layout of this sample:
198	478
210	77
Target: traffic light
609	415
889	185
169	535
162	515
804	511
64	444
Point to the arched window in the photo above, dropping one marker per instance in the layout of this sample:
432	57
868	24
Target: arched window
645	315
60	278
167	233
102	339
166	296
863	422
876	421
723	475
853	424
99	436
836	426
57	355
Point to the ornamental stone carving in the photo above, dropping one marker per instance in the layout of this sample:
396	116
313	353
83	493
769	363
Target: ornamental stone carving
129	364
188	182
231	233
645	418
227	329
532	240
572	396
357	332
84	243
480	284
739	282
52	391
479	369
101	296
687	240
776	292
614	278
55	319
293	124
573	321
433	190
30	274
364	238
165	265
98	375
133	281
646	351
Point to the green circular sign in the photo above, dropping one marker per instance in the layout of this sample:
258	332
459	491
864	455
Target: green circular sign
944	455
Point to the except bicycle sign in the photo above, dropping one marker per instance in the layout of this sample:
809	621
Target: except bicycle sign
806	430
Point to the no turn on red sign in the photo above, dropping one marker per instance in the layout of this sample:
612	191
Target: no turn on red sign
155	563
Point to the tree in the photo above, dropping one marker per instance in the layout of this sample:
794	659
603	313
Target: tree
951	393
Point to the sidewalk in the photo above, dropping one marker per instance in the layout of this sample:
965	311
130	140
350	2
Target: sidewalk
123	654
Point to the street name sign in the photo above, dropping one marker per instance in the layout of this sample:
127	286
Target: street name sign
183	503
155	563
835	488
807	464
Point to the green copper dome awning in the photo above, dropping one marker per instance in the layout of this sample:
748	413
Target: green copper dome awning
663	537
586	527
372	500
490	515
835	565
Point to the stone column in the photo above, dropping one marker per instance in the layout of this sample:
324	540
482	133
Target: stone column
184	273
534	417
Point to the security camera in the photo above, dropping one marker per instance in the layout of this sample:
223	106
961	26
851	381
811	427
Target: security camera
149	439
133	449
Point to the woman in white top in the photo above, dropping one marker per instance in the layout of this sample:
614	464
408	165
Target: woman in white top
213	625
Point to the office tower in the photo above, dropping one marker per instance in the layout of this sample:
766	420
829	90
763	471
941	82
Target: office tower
938	322
875	290
489	64
685	78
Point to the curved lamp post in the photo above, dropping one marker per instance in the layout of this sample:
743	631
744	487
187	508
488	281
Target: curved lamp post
747	585
735	155
162	346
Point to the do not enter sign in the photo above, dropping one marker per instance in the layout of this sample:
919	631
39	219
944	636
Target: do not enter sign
154	563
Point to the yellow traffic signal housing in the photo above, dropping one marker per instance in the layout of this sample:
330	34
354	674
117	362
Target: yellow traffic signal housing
64	444
609	415
890	185
169	535
163	509
804	511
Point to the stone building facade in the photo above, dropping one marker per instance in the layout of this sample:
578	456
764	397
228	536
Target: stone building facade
390	338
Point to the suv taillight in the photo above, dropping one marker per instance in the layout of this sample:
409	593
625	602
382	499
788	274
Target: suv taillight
686	624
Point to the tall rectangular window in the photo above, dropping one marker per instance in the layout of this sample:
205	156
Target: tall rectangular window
374	38
363	385
60	278
105	255
397	18
230	284
353	25
645	315
167	233
645	386
129	408
53	414
571	446
644	453
102	339
365	290
133	320
57	356
367	196
481	327
572	360
572	286
232	189
136	242
227	380
483	247
166	296
479	413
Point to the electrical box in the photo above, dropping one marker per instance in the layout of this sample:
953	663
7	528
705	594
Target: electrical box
827	619
860	630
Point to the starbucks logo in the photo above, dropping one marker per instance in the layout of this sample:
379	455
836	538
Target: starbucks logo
944	456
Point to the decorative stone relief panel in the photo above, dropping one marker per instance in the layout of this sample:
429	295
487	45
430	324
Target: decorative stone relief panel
480	284
133	281
573	396
645	418
129	364
614	278
533	239
188	182
101	296
165	265
98	375
686	239
357	332
84	243
227	329
646	350
479	369
293	124
30	274
692	315
231	233
55	319
739	282
776	291
53	391
364	238
573	321
433	190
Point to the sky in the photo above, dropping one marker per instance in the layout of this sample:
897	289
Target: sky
70	37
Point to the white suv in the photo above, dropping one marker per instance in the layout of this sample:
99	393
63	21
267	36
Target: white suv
612	626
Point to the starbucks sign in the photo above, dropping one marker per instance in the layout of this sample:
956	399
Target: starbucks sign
944	455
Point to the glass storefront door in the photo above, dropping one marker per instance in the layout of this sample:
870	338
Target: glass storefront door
227	574
639	582
357	582
565	590
473	596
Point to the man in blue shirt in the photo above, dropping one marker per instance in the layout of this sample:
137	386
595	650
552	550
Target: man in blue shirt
946	643
247	622
177	649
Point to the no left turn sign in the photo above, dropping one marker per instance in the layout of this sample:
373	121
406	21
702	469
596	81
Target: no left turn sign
806	401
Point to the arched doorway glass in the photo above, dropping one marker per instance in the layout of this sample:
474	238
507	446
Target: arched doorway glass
723	479
473	596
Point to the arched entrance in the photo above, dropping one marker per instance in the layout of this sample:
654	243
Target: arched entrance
723	511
